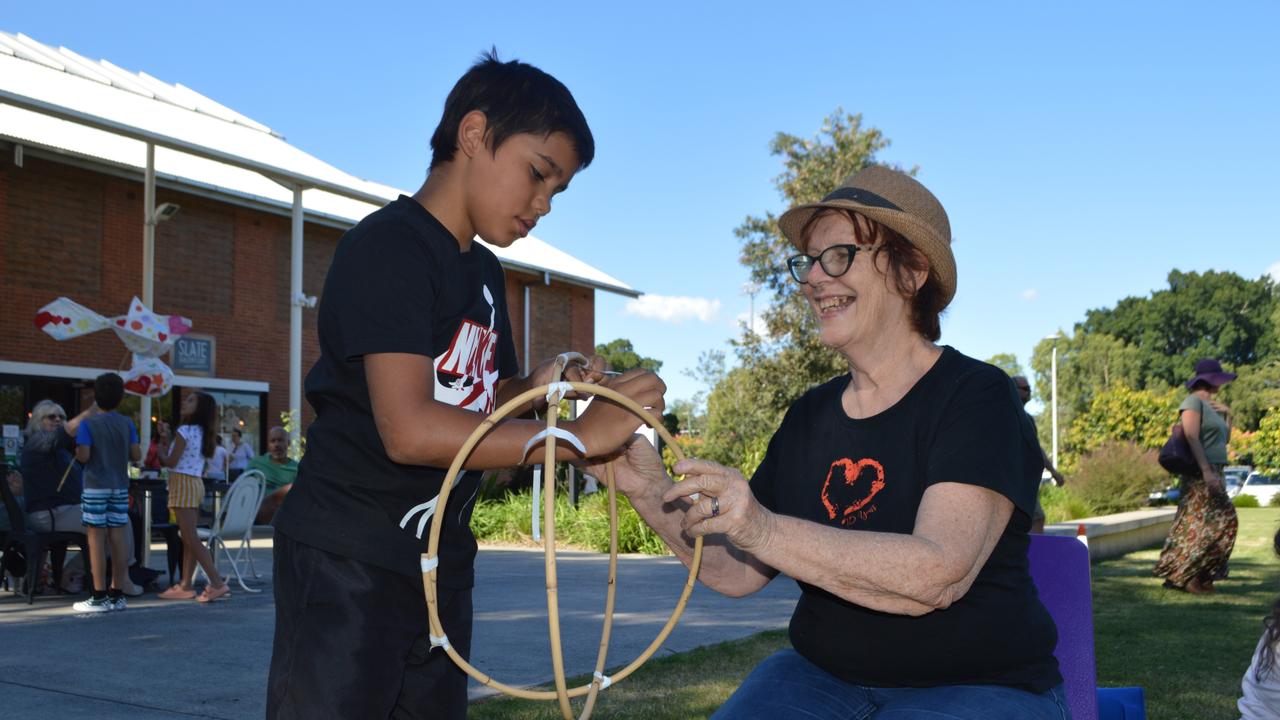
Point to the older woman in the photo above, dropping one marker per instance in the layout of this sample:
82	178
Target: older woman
47	457
899	495
1203	533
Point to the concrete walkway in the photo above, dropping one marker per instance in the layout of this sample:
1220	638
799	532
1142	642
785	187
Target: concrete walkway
164	659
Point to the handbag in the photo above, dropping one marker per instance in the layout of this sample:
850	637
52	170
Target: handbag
1176	455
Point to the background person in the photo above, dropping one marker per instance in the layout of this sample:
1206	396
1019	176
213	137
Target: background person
1024	394
898	495
215	468
1204	527
241	454
185	459
280	471
47	456
105	443
1260	687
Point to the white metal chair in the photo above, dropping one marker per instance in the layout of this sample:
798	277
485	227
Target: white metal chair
235	522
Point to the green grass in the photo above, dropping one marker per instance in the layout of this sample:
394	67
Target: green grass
1187	652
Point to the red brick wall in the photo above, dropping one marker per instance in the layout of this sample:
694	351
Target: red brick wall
66	230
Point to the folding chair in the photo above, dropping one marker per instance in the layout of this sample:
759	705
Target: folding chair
34	544
1060	570
235	522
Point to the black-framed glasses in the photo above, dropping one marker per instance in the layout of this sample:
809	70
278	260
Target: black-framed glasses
835	260
55	416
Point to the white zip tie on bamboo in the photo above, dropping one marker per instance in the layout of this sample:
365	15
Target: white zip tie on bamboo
556	392
556	432
605	680
429	564
439	641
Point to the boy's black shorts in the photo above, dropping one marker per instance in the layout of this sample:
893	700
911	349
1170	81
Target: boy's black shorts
352	641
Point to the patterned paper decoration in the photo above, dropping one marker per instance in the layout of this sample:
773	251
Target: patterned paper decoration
148	336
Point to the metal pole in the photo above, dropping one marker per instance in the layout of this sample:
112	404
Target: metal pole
1054	373
148	277
295	321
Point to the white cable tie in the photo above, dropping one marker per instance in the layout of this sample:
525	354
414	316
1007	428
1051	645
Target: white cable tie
695	496
441	641
429	564
557	432
605	680
535	511
556	392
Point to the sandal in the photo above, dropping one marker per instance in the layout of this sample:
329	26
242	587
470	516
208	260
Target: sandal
212	593
177	593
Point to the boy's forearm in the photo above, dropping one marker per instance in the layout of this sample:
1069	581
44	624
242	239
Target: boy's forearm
435	442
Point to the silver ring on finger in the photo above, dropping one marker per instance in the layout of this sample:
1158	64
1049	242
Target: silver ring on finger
715	506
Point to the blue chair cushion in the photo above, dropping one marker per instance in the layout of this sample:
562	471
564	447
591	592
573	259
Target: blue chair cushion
1121	704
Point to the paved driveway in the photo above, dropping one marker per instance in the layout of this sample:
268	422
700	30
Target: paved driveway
162	659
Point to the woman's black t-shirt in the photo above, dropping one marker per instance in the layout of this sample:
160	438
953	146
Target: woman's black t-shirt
960	423
398	283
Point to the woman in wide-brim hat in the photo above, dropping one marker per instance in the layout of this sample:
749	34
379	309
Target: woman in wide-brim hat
1204	528
899	495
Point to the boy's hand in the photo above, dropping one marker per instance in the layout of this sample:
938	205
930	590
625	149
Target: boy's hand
605	426
545	373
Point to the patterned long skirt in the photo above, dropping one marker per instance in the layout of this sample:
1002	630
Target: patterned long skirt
1201	538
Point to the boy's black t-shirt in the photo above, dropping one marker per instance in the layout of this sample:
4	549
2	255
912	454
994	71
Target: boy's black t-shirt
962	423
398	283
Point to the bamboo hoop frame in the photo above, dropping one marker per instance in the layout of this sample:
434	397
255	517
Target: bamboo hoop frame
430	558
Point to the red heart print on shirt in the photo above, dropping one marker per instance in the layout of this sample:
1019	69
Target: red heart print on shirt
850	495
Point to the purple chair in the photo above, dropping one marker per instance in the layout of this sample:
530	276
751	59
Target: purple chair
1060	570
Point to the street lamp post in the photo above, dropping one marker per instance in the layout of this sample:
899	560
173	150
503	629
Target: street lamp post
750	289
1053	374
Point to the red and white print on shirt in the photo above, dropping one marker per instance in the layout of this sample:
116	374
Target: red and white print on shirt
466	375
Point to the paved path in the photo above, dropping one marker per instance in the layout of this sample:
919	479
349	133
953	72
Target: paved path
175	660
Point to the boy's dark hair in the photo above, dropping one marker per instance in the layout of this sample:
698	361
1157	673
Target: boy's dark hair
108	391
515	98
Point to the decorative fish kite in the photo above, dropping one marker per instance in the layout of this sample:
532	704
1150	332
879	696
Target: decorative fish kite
147	335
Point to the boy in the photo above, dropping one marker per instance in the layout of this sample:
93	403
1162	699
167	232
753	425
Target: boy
105	443
415	351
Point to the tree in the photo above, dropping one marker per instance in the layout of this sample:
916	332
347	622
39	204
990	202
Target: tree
1215	314
811	169
746	403
1008	362
1087	364
622	357
1121	414
1266	443
1250	395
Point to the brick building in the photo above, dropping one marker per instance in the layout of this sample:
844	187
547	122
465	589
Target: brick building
74	137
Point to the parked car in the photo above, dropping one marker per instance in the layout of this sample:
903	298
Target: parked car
1234	478
1169	495
1263	487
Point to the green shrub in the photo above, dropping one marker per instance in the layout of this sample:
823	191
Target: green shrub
1117	477
1061	504
1275	501
510	519
1247	501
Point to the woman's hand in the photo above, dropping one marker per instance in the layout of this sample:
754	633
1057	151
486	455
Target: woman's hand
725	504
637	467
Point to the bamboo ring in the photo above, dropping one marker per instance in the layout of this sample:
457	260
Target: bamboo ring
430	559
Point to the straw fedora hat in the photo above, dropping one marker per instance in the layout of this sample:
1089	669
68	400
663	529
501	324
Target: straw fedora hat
897	201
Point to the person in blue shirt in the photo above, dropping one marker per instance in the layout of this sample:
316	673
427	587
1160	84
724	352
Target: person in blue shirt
105	443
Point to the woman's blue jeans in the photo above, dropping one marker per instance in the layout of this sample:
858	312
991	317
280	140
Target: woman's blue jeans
788	687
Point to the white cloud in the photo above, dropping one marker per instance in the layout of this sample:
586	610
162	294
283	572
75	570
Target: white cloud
673	308
1274	271
1030	294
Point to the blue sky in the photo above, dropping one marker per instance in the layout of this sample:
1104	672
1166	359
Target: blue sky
1082	150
